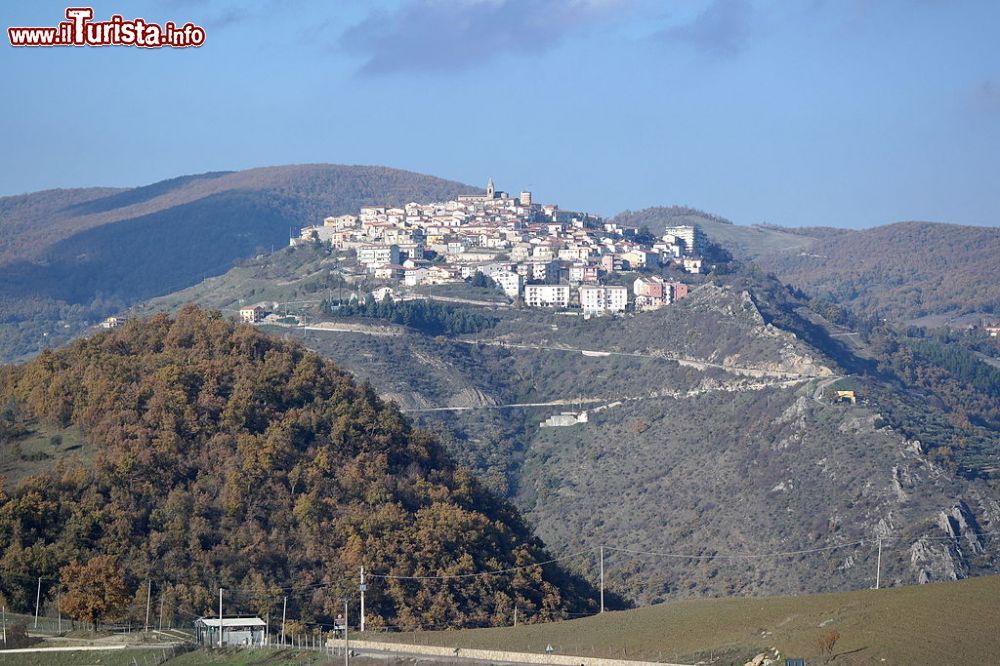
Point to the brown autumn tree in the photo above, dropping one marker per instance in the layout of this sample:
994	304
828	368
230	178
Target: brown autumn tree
827	642
95	591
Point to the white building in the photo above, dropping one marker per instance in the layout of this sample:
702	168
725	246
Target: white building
323	234
510	283
236	631
113	322
546	295
251	314
692	264
378	254
598	299
415	276
692	236
341	222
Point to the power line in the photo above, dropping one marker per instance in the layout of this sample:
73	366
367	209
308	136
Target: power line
483	573
744	556
672	555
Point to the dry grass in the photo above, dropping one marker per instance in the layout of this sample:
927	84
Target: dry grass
942	623
38	450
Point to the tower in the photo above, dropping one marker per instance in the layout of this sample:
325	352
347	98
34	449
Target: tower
490	190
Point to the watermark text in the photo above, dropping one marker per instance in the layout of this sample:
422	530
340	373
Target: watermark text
79	29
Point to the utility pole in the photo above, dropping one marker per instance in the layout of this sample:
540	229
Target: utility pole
878	564
363	588
602	579
38	600
347	641
284	607
220	617
161	611
149	592
515	615
5	626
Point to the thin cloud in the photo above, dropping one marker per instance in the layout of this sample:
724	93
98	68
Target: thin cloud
442	35
214	16
722	29
229	17
986	97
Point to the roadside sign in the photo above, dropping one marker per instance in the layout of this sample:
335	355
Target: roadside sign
363	587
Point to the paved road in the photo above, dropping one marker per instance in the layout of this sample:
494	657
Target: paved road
605	403
662	356
427	659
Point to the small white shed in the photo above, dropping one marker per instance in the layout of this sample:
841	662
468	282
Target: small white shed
236	631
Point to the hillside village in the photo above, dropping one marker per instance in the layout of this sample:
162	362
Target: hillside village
537	254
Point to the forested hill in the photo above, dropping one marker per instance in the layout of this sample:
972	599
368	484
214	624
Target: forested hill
219	456
927	273
70	257
907	271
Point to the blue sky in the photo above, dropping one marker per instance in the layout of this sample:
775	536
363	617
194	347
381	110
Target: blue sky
811	112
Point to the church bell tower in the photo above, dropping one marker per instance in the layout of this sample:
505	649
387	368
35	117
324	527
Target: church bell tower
490	189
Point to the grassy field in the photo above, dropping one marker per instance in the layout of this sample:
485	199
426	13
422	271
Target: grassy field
943	623
37	449
101	657
235	657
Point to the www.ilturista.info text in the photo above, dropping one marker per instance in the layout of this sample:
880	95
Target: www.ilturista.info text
81	30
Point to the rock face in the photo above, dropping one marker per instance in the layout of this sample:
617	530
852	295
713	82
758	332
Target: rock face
749	468
755	474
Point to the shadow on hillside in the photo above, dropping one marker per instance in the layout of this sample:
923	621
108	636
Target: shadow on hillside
157	253
138	195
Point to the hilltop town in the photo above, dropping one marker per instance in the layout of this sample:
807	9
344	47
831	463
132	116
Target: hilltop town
537	254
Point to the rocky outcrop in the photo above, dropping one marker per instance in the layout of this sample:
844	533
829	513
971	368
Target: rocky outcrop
934	561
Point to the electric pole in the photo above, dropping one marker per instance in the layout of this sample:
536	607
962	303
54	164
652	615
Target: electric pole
149	592
363	588
602	579
38	600
878	564
347	640
220	617
161	611
284	607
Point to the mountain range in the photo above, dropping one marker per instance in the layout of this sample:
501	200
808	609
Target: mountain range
703	449
71	257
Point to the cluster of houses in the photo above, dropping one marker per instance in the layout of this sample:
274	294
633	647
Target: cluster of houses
537	254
